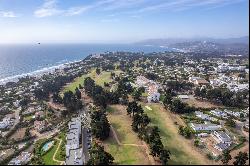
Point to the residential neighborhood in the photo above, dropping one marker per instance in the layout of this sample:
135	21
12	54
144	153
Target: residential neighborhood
206	101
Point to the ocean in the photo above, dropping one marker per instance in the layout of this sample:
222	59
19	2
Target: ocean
17	60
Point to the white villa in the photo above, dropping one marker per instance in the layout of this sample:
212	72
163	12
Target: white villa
150	86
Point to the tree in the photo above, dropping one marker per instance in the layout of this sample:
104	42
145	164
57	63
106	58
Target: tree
185	131
100	125
137	94
167	99
80	86
196	142
98	156
98	71
165	156
230	122
141	89
226	157
241	158
57	98
78	93
124	99
134	108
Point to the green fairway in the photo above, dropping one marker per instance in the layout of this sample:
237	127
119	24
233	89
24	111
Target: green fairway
123	154
182	151
72	86
99	79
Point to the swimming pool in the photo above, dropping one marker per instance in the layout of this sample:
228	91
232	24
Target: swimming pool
47	146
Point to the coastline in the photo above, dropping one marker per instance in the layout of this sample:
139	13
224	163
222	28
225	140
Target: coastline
39	72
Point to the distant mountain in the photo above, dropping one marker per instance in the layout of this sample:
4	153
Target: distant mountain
239	46
168	41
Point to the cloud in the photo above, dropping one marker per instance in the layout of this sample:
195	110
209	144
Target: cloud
110	20
49	8
129	7
8	14
76	10
180	5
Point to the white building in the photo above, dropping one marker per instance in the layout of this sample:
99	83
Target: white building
203	127
150	86
6	122
198	81
219	113
183	97
153	94
221	137
202	116
22	159
74	155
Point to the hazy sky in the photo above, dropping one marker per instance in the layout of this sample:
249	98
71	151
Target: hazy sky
120	20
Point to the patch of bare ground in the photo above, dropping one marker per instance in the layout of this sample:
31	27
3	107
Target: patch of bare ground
19	134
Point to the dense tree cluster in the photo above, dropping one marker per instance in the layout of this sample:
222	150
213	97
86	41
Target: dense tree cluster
222	95
152	76
98	156
241	158
149	134
102	97
108	67
179	86
71	101
100	125
52	86
176	105
185	131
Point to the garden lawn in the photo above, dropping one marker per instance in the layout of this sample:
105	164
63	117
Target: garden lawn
48	157
61	149
182	150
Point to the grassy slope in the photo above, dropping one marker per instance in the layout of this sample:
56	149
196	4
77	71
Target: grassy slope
181	151
124	154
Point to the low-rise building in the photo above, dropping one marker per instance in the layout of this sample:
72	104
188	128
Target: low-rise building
22	159
74	155
153	94
221	137
40	125
221	146
205	127
6	123
39	114
219	113
198	81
